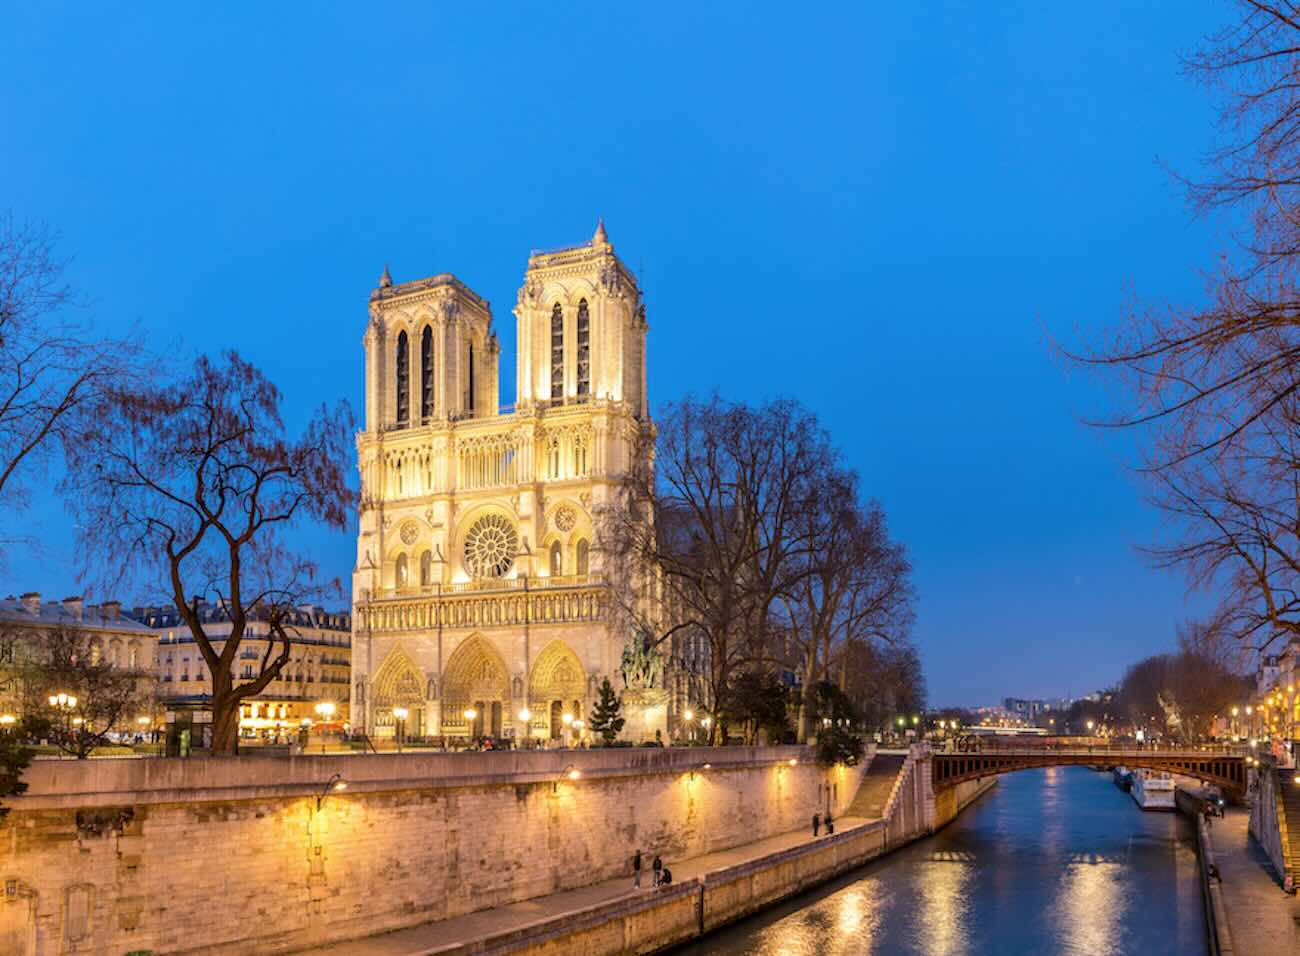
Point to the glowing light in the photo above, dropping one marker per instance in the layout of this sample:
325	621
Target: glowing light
470	713
525	714
325	709
7	719
567	719
688	715
400	713
574	773
794	761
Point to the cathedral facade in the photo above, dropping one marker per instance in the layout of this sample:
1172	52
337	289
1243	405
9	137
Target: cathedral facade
479	602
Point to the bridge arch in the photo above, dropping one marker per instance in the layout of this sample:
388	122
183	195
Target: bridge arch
1226	771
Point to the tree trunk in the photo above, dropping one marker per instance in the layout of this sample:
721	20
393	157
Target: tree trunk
225	719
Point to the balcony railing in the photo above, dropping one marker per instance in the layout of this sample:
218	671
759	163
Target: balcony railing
500	602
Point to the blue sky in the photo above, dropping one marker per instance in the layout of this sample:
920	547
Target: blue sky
881	212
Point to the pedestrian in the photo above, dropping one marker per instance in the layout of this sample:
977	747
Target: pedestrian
636	870
666	878
830	823
658	867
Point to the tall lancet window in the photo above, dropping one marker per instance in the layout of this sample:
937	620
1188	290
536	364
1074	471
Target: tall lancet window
403	380
557	353
469	399
584	350
426	374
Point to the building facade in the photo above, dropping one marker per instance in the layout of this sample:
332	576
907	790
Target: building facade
112	635
317	671
479	602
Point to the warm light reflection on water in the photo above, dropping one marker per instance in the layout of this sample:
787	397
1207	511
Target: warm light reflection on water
1054	861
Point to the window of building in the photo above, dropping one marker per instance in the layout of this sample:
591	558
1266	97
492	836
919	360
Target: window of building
557	563
469	397
584	350
401	571
557	352
426	569
426	373
584	557
403	380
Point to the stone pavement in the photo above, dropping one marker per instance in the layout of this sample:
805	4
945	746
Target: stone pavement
430	937
1261	917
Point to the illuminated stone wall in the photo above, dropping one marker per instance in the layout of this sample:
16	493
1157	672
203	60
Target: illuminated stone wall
231	856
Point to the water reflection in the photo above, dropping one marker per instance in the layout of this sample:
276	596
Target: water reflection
1052	861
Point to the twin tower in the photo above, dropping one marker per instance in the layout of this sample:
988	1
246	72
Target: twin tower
480	607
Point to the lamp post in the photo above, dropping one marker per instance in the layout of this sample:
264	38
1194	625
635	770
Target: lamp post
66	704
688	715
567	720
470	716
399	725
525	715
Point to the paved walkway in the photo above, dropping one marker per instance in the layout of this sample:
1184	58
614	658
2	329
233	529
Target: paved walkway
422	939
1261	918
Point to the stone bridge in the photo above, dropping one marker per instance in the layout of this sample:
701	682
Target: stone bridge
1223	769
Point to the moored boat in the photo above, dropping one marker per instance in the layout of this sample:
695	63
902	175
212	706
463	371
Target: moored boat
1123	778
1153	790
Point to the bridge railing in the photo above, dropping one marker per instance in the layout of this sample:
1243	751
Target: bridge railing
1021	746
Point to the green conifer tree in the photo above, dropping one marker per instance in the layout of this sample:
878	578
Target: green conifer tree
604	716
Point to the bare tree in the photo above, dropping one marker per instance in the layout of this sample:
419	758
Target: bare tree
195	480
714	531
49	367
857	586
80	697
1214	389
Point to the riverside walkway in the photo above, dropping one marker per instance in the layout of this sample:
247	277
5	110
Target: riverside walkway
1261	917
450	934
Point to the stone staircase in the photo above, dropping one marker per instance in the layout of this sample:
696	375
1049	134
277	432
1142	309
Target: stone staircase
877	784
1288	816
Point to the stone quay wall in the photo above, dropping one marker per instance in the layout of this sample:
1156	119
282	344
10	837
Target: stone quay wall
689	910
232	855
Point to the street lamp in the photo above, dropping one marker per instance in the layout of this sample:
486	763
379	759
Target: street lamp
8	720
334	784
325	709
399	731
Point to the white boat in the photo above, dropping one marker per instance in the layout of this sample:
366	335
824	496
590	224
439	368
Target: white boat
1153	790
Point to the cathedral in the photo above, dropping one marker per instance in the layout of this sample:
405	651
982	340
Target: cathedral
480	605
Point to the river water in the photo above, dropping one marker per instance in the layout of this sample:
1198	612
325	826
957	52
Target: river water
1050	861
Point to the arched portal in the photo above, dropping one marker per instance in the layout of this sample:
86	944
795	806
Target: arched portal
556	686
475	679
399	682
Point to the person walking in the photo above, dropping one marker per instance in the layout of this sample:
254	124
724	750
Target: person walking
658	867
830	823
636	870
817	823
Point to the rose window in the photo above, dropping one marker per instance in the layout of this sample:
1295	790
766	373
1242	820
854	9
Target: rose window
490	546
565	519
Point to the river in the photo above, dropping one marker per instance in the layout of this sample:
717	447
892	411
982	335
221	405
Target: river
1055	861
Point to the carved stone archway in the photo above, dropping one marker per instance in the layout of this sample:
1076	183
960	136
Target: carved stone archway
399	682
475	678
557	685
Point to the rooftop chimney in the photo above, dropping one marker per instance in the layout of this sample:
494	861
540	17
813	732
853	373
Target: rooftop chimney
32	601
73	605
111	610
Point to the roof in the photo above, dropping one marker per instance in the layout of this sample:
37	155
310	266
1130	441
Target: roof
31	611
306	616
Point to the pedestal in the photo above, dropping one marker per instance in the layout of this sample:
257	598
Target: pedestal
644	712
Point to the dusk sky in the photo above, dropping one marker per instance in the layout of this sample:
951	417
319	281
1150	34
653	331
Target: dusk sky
883	213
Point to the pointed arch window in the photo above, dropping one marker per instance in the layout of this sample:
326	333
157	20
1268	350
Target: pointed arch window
426	569
403	379
557	563
402	572
557	353
469	399
426	374
584	350
584	557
